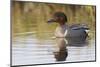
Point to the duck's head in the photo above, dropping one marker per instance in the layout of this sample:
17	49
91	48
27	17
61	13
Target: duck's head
58	17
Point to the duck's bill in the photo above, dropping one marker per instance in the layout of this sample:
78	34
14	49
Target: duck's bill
51	20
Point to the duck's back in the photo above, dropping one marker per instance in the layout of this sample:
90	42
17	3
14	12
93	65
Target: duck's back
76	35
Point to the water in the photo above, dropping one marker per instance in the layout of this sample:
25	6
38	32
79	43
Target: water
30	49
32	41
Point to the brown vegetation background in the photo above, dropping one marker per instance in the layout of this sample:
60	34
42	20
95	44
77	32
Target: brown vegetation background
32	16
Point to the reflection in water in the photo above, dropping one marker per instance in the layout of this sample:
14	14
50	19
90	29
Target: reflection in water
62	44
62	53
27	49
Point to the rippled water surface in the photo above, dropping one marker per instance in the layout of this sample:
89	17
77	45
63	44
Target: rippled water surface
27	49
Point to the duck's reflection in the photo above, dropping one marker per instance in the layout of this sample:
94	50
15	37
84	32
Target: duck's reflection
62	43
62	52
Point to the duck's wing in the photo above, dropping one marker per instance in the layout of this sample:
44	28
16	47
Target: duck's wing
77	27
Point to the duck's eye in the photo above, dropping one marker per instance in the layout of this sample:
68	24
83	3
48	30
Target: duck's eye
56	18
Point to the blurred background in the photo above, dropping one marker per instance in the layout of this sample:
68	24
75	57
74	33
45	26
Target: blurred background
32	16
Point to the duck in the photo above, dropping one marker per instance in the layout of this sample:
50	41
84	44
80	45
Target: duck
63	30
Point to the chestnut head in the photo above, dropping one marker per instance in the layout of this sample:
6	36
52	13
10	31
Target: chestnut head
58	17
